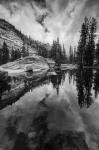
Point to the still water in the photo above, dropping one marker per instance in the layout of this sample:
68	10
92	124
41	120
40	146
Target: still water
53	112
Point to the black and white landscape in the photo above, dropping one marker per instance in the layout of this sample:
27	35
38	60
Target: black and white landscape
49	75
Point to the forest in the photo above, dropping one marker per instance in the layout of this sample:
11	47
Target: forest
86	53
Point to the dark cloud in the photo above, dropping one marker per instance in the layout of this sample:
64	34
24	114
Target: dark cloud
62	4
91	3
41	19
13	5
38	2
92	6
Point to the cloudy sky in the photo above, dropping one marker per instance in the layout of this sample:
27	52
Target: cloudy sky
45	20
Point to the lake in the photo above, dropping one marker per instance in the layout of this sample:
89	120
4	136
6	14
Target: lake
53	112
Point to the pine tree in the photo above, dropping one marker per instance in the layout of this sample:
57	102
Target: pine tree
53	51
5	54
82	42
71	55
12	55
75	55
97	53
64	55
58	52
24	51
19	54
1	53
86	45
93	28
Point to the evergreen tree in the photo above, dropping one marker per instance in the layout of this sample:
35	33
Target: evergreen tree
82	42
71	55
5	54
1	53
24	51
86	45
17	54
93	28
97	53
58	52
64	55
53	51
12	55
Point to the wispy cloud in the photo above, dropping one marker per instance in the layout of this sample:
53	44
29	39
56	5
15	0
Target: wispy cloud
63	19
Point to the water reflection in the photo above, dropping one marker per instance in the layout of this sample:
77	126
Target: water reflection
84	87
86	80
58	80
45	139
21	142
14	88
4	86
45	113
11	129
39	136
96	83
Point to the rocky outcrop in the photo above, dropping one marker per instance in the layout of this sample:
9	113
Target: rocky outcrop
19	67
13	37
8	35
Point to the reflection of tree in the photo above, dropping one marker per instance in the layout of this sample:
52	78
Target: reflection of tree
71	75
21	142
32	83
4	86
57	80
20	139
96	83
10	130
84	85
16	87
41	130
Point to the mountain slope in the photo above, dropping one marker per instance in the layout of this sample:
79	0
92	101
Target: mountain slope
13	37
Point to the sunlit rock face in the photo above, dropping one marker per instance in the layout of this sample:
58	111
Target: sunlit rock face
8	35
36	62
12	37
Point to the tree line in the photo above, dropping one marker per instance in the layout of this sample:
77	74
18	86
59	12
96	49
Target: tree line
7	56
58	53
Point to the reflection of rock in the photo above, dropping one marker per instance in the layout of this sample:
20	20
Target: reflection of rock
3	75
18	86
21	142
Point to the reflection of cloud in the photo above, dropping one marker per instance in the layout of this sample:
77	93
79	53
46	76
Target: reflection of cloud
63	117
63	112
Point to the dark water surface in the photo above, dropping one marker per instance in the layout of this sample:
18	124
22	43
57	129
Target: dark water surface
53	112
